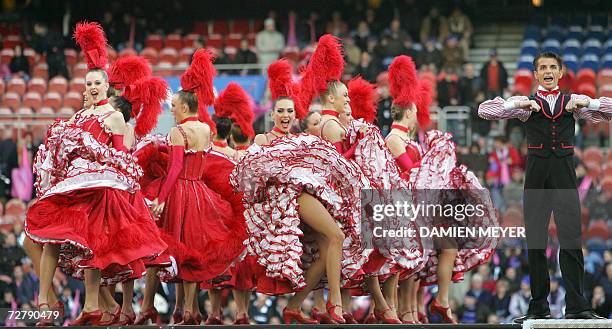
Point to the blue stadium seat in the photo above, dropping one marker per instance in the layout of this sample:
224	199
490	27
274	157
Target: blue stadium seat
575	32
530	43
571	65
590	61
608	46
529	51
596	32
607	61
525	65
554	43
591	46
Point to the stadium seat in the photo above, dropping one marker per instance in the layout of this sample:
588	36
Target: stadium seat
73	100
555	34
214	41
154	41
605	90
586	89
607	47
529	51
241	26
596	32
45	110
200	27
15	207
598	229
567	80
66	111
571	46
11	41
71	56
592	154
25	111
163	69
6	55
5	111
128	52
291	53
79	70
251	38
606	62
571	62
575	32
53	100
591	46
169	55
16	85
185	54
41	70
32	100
11	100
590	61
150	54
58	84
233	40
258	25
220	27
37	85
175	41
190	39
526	62
30	54
551	43
77	85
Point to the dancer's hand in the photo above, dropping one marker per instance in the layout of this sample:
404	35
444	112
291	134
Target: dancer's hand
576	104
157	208
529	105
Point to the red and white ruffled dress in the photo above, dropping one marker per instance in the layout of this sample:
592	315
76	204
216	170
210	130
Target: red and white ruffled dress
438	170
271	178
217	171
84	188
193	221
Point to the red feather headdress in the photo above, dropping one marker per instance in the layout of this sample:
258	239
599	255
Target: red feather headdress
90	37
146	97
326	65
127	70
363	98
423	102
406	89
199	79
234	103
281	84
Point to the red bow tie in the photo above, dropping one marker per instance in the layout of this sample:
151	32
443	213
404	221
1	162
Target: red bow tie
546	92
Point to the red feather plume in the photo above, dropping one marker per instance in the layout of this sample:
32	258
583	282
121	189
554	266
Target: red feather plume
403	83
146	97
423	102
363	98
234	103
127	70
326	64
199	79
90	37
280	82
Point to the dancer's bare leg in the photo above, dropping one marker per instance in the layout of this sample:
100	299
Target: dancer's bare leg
34	252
446	262
151	284
215	301
48	263
128	297
92	290
242	302
313	276
379	300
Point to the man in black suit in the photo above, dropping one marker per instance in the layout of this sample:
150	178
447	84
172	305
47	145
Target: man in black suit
550	180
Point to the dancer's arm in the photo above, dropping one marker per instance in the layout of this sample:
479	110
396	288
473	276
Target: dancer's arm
516	107
594	110
176	165
397	148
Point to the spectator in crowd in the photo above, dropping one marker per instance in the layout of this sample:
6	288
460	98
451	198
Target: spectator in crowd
474	159
70	305
430	55
601	302
5	71
245	56
372	22
461	27
367	68
51	44
500	304
472	311
397	38
519	302
352	54
20	66
448	89
261	309
488	282
470	96
513	191
510	273
452	55
556	298
502	159
482	295
24	286
494	77
362	35
8	161
434	26
383	113
337	26
269	43
11	254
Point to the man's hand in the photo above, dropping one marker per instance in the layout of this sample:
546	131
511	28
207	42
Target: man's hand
157	208
576	104
529	105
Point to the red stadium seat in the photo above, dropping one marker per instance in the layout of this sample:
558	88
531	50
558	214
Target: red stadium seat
190	40
73	100
258	25
6	55
11	41
233	40
15	207
79	70
11	100
586	88
241	27
567	81
45	110
66	111
220	27
604	77
598	229
25	111
5	111
128	52
154	41
585	75
53	100
77	85
41	70
16	85
214	41
58	84
605	90
185	54
37	85
200	27
150	54
592	154
30	54
251	37
175	41
169	55
291	53
71	56
32	100
163	69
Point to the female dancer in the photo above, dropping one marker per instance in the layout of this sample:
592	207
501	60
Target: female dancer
311	124
433	169
83	215
192	214
296	183
233	115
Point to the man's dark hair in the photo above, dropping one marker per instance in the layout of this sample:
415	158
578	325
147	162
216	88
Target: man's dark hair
547	54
